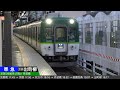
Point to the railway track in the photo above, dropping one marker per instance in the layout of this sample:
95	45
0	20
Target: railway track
64	71
70	71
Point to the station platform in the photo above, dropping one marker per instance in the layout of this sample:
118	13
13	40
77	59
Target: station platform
24	55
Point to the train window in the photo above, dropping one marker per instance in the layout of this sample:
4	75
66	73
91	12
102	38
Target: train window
61	34
49	33
72	35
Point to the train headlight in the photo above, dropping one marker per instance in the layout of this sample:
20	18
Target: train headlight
60	46
48	21
71	21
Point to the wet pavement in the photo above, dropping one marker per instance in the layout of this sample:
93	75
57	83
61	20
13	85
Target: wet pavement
16	55
25	55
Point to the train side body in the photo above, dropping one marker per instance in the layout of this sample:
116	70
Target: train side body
58	40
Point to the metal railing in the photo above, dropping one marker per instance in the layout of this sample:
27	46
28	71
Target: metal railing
83	65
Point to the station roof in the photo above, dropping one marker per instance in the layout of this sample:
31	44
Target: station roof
15	14
95	12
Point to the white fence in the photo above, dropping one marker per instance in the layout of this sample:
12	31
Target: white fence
95	69
99	59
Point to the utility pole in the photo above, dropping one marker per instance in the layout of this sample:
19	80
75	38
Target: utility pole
7	47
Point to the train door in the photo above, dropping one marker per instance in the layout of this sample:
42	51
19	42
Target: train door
23	33
60	40
31	34
38	38
28	34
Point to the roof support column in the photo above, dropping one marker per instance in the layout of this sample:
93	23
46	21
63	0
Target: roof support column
7	47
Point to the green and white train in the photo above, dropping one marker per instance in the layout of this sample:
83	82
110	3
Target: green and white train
56	38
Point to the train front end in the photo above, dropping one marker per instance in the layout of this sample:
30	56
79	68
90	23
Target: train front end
60	39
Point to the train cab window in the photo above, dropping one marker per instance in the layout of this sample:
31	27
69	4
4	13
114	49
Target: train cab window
60	34
49	34
72	34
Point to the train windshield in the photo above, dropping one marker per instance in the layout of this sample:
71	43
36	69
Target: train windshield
72	35
61	34
49	33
